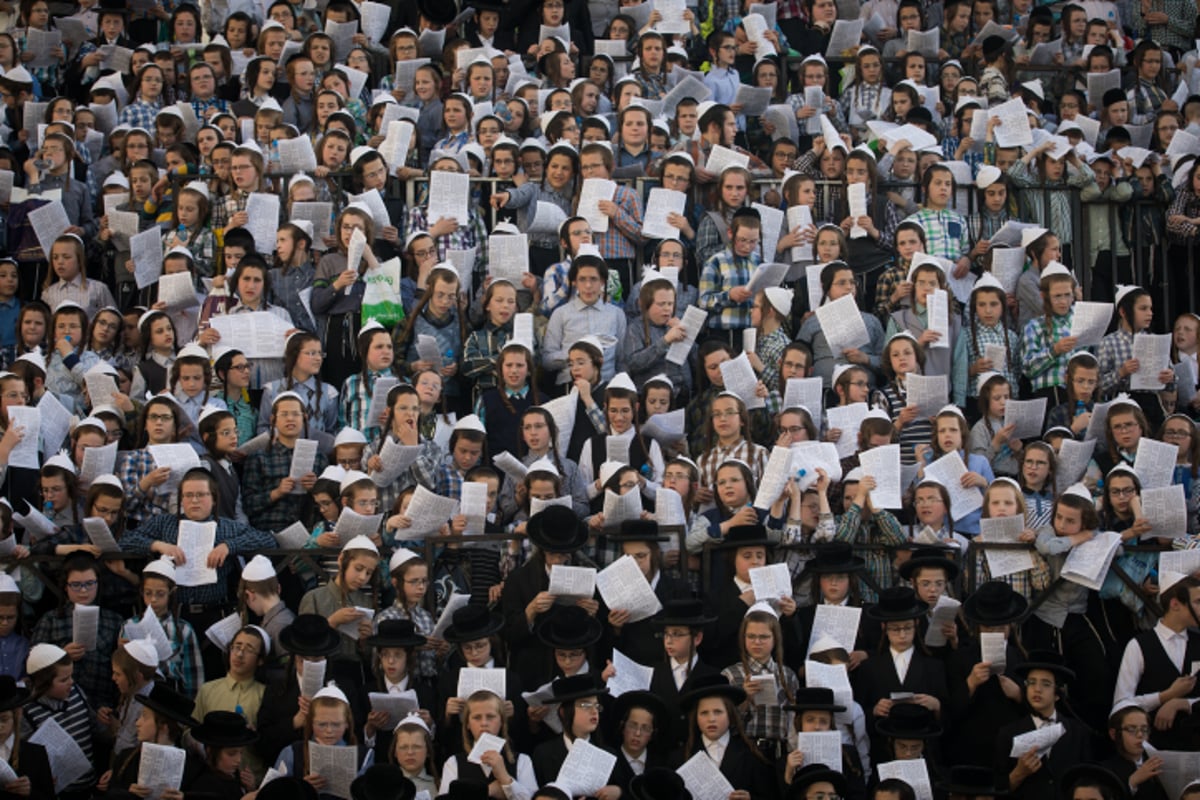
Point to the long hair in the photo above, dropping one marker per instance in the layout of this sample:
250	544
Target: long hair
143	437
1193	448
1051	476
484	696
291	354
772	622
435	275
710	431
192	361
344	559
552	427
530	380
1005	314
1047	309
736	729
394	395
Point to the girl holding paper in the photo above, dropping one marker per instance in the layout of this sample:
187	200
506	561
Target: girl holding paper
928	275
1135	312
644	457
160	596
59	487
69	359
512	772
338	290
439	315
502	407
950	436
161	421
837	281
400	426
376	353
157	335
990	437
328	723
903	355
988	323
539	440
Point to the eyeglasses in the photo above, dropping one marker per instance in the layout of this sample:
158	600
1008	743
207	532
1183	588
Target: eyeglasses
312	353
589	706
426	253
242	648
82	586
1128	491
192	497
1136	730
160	417
633	727
1125	426
861	384
793	430
1169	434
732	412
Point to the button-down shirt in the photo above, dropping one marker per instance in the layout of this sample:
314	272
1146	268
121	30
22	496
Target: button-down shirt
716	747
574	320
722	273
1042	365
1133	664
902	660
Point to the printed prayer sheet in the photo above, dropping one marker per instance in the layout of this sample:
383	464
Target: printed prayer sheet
508	256
914	772
67	760
927	43
703	778
945	611
537	505
883	464
350	628
259	334
824	747
667	428
1027	416
337	764
687	87
396	458
847	419
1179	770
320	214
1040	740
1005	530
296	155
101	387
146	251
1096	427
1072	462
262	209
396	706
222	631
845	37
313	678
1013	129
623	587
571	583
1165	509
428	513
1153	354
406	70
722	157
1007	265
160	767
432	42
804	393
1100	82
1089	321
929	393
35	523
85	626
594	190
304	455
7	775
350	524
771	582
196	540
949	470
831	676
1184	562
149	627
457	600
293	537
472	504
843	325
177	291
449	197
630	676
586	767
668	509
179	457
49	222
1087	563
839	622
99	535
814	97
617	447
939	315
486	743
799	217
373	200
43	44
621	507
774	478
661	203
754	99
740	378
994	649
472	679
1154	463
808	457
693	322
25	452
856	197
770	274
561	31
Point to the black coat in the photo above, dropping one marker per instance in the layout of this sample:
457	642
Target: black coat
35	765
642	641
877	679
1073	748
528	654
548	758
662	684
1124	769
622	773
972	720
743	769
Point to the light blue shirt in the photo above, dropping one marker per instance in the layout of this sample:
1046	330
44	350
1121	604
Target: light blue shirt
575	319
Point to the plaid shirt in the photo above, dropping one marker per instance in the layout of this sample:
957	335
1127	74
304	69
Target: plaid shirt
1145	98
356	402
1176	33
140	115
766	722
481	354
132	466
770	352
264	470
423	622
886	286
93	672
1042	366
464	237
964	385
219	216
202	244
1058	217
829	197
623	238
1115	349
882	528
449	478
721	273
752	454
862	102
424	470
946	234
556	290
653	86
185	664
201	107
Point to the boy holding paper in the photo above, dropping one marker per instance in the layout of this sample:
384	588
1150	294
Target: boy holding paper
723	279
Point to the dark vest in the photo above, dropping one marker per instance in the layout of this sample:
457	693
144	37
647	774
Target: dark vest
504	426
154	374
1158	673
228	487
474	773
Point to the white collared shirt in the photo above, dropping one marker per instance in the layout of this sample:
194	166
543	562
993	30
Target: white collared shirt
1039	723
679	671
902	660
397	688
716	749
636	763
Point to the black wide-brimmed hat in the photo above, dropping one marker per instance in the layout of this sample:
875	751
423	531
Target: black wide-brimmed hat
641	699
814	698
439	12
465	790
834	558
638	530
383	782
1093	774
224	729
396	633
809	774
472	623
994	603
972	781
569	628
711	686
112	7
909	721
897	603
170	703
575	687
746	536
929	556
685	613
11	695
1049	661
658	783
556	529
310	635
285	787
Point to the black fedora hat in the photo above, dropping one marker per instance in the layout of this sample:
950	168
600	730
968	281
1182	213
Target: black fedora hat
711	686
834	558
575	687
112	7
909	721
897	603
285	787
685	613
638	530
994	604
1091	775
465	790
439	12
637	698
746	536
170	703
809	774
11	695
383	782
814	698
569	628
929	556
658	783
396	633
310	635
471	623
224	729
974	781
1049	661
556	530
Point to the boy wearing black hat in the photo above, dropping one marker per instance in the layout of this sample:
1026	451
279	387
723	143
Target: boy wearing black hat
85	67
682	623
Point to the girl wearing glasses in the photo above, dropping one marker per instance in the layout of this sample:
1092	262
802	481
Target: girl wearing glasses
340	600
1121	511
761	645
1123	429
184	667
232	369
161	422
60	505
1180	430
1129	729
409	576
338	291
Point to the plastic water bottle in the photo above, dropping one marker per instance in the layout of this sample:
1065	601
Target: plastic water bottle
276	165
